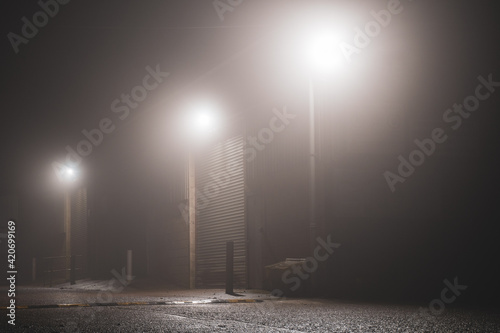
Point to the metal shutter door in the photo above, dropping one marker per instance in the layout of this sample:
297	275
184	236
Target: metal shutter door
220	213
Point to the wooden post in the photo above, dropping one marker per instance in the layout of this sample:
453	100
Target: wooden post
67	230
312	178
192	221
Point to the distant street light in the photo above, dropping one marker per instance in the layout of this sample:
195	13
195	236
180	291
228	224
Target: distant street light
69	176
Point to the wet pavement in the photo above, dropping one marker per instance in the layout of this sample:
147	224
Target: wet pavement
270	314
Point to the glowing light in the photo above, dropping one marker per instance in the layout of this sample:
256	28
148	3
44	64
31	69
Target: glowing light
70	174
204	120
322	51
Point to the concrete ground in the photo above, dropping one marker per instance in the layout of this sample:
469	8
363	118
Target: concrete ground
128	310
99	291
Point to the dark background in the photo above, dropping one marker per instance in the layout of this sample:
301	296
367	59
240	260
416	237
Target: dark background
441	223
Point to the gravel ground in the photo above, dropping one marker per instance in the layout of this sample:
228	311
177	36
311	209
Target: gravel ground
278	315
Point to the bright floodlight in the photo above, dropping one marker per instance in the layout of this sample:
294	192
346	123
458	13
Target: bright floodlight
204	121
322	51
202	118
69	174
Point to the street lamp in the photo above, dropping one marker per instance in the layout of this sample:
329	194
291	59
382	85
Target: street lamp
69	175
321	51
201	120
322	59
204	121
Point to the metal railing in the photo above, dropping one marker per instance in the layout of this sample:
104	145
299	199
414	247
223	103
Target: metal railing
53	267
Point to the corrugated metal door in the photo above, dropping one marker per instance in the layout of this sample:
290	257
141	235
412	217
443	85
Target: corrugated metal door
220	213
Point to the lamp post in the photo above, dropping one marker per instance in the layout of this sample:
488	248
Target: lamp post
201	121
312	168
321	59
69	176
192	220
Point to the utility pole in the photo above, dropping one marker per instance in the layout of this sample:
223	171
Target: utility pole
312	177
192	220
67	230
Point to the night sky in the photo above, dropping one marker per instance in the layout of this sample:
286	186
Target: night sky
65	78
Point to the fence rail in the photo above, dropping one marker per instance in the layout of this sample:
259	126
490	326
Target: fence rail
53	266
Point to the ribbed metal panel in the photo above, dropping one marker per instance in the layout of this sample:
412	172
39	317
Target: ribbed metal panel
220	215
79	228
